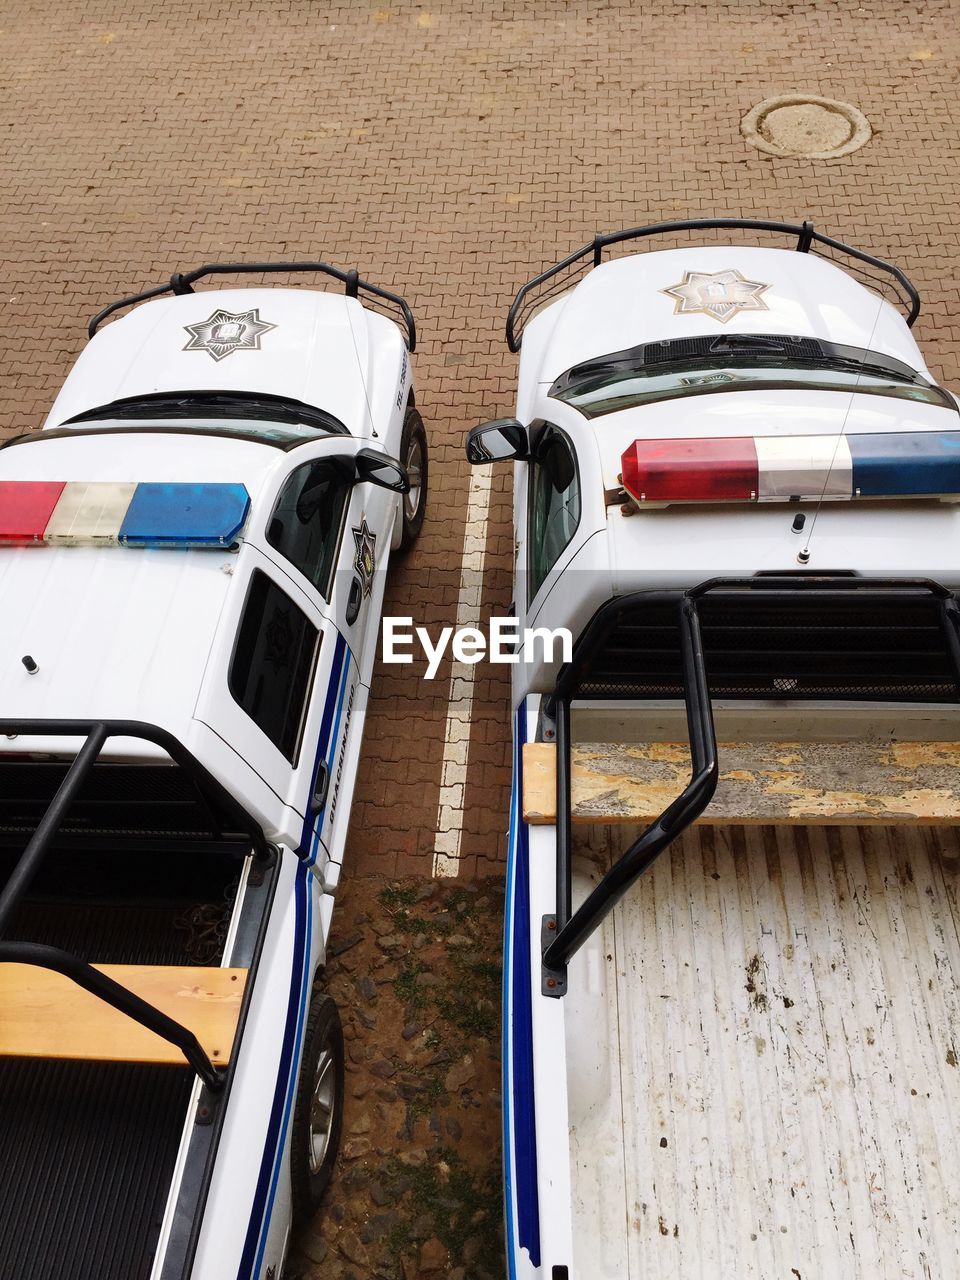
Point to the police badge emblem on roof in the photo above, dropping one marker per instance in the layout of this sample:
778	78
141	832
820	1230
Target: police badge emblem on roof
720	294
223	333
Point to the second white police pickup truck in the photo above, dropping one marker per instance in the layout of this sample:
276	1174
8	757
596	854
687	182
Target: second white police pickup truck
737	485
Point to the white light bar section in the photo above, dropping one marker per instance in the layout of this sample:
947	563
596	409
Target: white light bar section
804	467
89	513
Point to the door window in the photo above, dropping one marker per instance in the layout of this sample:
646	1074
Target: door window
273	663
554	504
306	522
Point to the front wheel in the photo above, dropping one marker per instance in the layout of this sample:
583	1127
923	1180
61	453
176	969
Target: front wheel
318	1113
413	455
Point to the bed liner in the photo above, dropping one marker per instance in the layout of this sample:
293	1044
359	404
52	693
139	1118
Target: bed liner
780	1084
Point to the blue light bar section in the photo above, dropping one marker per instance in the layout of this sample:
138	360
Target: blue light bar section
185	515
905	464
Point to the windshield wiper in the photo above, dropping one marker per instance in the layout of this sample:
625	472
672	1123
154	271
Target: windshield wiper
691	354
679	352
215	404
753	342
755	356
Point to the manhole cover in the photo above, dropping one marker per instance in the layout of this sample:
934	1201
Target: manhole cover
804	125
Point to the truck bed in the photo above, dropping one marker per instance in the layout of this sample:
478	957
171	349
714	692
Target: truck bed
763	1045
87	1149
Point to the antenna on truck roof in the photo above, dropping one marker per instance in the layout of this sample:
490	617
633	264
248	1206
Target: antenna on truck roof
803	556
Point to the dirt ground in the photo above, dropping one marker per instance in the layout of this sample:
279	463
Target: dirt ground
415	969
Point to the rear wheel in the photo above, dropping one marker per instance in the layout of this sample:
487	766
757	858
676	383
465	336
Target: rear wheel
318	1114
413	455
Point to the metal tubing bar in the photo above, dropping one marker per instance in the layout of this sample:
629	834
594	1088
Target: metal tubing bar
564	907
29	862
805	233
951	626
181	282
596	631
161	738
777	587
119	997
573	930
144	296
826	584
676	817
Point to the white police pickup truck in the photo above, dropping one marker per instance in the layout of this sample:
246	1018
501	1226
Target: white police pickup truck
192	566
737	485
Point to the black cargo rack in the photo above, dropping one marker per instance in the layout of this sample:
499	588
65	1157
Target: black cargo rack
530	295
95	735
565	932
182	282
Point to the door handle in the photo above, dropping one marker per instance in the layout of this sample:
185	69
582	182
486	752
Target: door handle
354	601
321	786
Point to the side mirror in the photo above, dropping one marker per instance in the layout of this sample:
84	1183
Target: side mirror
381	470
498	441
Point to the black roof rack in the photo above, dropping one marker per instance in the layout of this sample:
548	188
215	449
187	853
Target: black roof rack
563	933
807	238
182	282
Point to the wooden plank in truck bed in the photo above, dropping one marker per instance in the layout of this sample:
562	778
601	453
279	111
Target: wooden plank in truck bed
760	782
45	1015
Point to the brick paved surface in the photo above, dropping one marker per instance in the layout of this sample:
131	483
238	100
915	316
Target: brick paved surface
448	150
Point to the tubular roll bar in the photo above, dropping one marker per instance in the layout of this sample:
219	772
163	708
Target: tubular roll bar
95	735
182	282
565	932
806	235
117	995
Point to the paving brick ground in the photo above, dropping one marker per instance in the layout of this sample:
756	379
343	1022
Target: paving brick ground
449	150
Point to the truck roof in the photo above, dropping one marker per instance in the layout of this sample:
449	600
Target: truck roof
323	349
117	632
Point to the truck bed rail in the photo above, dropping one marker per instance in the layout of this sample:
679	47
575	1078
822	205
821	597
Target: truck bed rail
565	932
95	735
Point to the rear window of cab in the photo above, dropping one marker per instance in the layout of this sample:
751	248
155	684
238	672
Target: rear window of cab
273	661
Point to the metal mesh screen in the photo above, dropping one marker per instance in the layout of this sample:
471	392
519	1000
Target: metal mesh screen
117	799
755	648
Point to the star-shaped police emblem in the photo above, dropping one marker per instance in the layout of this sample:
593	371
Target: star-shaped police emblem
365	562
223	333
721	294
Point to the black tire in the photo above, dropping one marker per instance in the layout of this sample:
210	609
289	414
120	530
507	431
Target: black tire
413	455
310	1171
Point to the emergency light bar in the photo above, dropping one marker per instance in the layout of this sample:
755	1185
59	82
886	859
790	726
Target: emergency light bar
913	464
38	512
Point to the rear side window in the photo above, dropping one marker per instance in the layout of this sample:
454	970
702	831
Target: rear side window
273	662
306	522
554	505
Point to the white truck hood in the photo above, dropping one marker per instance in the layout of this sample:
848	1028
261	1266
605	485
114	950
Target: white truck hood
624	303
320	348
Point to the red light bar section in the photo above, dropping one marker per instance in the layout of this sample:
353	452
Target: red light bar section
705	470
25	508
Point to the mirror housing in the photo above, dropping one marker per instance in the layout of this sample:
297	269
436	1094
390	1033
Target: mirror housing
498	441
380	469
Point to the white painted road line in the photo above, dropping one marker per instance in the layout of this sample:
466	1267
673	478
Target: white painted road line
456	748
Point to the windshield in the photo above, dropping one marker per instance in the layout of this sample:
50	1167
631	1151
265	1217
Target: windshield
737	362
